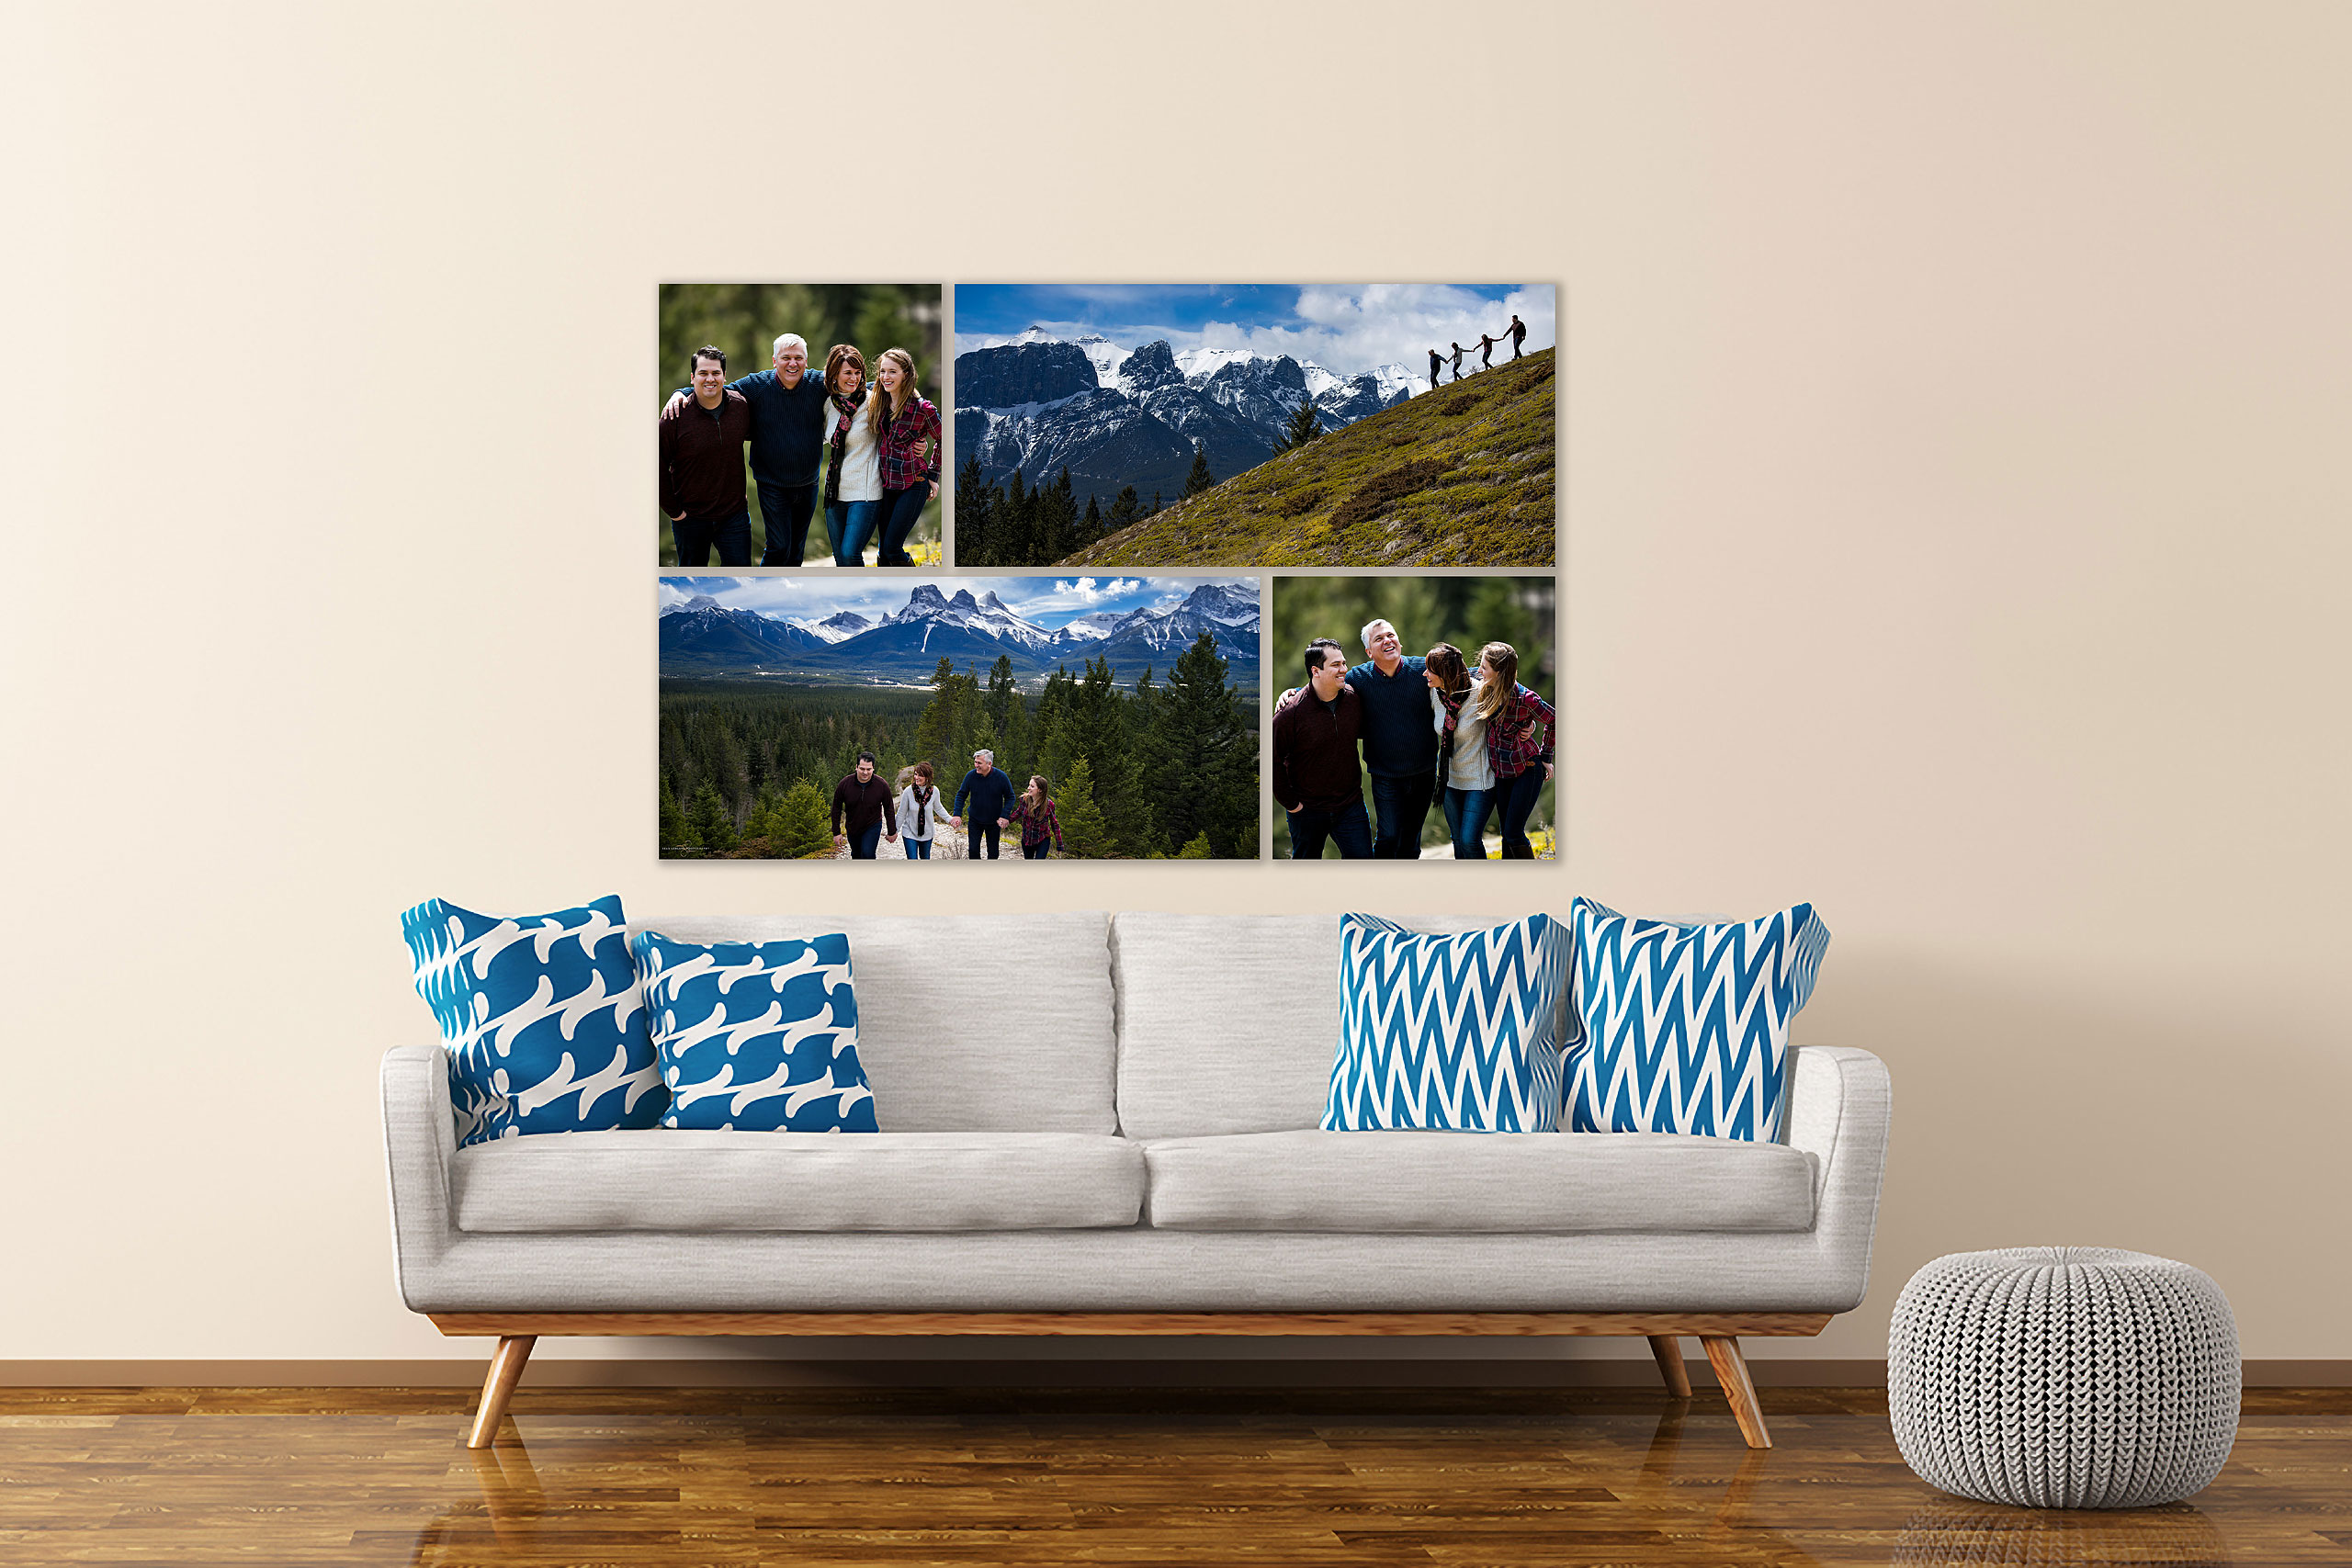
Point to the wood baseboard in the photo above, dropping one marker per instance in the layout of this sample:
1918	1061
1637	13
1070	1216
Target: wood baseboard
550	1368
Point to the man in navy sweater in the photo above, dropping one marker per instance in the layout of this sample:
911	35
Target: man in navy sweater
990	795
1399	741
788	429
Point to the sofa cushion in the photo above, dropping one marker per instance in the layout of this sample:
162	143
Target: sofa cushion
1447	1033
542	1018
689	1182
756	1037
1684	1028
968	1023
1226	1022
1463	1183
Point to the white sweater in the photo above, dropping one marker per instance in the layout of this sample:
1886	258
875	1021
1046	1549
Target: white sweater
861	454
939	799
1469	769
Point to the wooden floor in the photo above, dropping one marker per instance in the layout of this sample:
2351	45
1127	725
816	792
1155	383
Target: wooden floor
194	1477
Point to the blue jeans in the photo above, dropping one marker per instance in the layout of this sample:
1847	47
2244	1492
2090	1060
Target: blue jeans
1518	796
1466	821
784	510
1401	805
982	830
851	523
1038	853
917	849
901	510
732	535
1346	826
862	845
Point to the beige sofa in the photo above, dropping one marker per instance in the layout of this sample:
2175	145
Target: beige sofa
1096	1124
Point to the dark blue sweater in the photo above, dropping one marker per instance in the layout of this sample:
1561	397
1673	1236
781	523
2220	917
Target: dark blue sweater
991	797
1398	741
788	425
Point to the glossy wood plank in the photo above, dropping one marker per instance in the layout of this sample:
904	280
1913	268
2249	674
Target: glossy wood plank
1731	1370
1580	1324
1340	1477
1669	1351
506	1371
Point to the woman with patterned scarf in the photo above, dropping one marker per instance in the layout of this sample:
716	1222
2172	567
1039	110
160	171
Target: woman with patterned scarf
920	810
853	472
1033	813
1521	761
906	423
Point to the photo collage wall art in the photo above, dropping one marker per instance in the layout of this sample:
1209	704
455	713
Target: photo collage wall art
1120	571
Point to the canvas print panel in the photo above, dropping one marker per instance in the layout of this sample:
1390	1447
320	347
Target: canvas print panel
1415	719
1003	718
1130	425
798	424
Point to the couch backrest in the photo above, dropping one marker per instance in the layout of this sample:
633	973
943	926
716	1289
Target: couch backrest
1228	1023
966	1022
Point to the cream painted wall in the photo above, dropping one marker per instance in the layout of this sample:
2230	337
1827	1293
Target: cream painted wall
1956	501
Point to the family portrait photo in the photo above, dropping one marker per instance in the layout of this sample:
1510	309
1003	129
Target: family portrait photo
958	719
798	424
1414	719
1369	425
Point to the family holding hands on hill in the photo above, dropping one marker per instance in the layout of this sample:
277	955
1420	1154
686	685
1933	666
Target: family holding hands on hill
884	441
1516	331
865	811
1430	726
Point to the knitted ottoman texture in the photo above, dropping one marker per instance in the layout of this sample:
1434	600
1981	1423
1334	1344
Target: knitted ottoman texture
2064	1377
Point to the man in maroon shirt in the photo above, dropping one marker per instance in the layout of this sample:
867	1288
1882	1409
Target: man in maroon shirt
862	807
702	468
1315	775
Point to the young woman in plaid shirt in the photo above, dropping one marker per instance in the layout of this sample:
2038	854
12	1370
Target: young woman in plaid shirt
1522	759
1033	813
905	423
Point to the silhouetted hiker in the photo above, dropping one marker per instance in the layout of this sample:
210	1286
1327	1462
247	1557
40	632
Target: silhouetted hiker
1518	336
1457	362
1486	352
1435	368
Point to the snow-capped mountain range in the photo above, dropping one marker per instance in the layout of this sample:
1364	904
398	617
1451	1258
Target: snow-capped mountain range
1117	417
702	637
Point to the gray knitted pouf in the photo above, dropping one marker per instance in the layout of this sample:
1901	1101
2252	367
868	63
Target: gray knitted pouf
2064	1377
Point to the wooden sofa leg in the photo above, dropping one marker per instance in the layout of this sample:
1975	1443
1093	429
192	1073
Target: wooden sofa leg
1669	1351
506	1371
1731	1370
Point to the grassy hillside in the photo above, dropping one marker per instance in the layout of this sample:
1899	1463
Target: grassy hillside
1462	475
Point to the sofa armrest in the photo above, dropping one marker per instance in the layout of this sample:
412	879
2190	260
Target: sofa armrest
420	1137
1839	1103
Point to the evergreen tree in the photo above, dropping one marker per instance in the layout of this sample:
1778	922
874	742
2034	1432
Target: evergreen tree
799	827
673	830
1304	427
975	515
711	826
1124	510
1084	833
1155	504
1092	528
1197	847
1015	742
1200	479
1203	777
1002	692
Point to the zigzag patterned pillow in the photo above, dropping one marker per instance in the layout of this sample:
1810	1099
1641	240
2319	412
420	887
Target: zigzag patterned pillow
757	1036
1684	1028
542	1016
1447	1033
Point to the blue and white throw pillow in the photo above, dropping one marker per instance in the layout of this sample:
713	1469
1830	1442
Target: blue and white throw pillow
757	1036
1681	1028
542	1016
1447	1033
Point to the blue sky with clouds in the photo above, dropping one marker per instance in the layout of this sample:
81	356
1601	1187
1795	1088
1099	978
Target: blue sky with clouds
1051	601
1346	328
